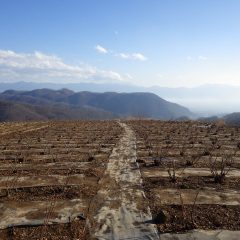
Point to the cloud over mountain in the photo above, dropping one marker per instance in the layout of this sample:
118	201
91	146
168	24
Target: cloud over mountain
40	67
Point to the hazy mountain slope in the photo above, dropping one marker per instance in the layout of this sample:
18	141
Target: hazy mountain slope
121	104
17	112
232	119
91	87
37	97
11	111
131	104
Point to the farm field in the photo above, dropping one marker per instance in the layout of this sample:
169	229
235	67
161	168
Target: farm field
49	174
191	174
136	179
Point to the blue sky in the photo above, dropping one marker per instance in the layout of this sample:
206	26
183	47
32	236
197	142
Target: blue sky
144	42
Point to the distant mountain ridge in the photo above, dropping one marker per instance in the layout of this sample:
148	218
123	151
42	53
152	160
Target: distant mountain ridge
206	99
207	90
110	104
232	119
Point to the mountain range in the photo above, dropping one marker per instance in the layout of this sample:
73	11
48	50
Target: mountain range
206	100
67	104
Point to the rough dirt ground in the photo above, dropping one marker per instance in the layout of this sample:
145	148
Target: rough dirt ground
49	174
103	181
193	199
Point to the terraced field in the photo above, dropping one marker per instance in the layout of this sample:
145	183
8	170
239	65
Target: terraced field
191	176
49	175
136	179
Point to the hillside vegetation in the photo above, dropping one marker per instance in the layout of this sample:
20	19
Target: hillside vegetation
11	111
66	104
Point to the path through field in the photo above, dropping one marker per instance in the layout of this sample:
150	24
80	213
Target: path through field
120	209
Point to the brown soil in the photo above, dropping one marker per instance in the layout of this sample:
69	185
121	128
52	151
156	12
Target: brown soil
192	182
95	171
61	141
75	230
148	162
189	217
48	193
183	141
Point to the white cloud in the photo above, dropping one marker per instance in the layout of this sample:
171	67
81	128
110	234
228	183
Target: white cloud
129	76
132	56
139	56
101	49
198	58
38	66
124	55
202	58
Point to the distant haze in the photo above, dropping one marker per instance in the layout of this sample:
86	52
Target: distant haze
204	100
209	106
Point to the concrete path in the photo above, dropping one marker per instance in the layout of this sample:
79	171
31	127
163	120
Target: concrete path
120	210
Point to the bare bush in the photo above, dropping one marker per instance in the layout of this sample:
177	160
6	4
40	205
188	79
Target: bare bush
159	156
219	172
172	172
192	211
191	160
